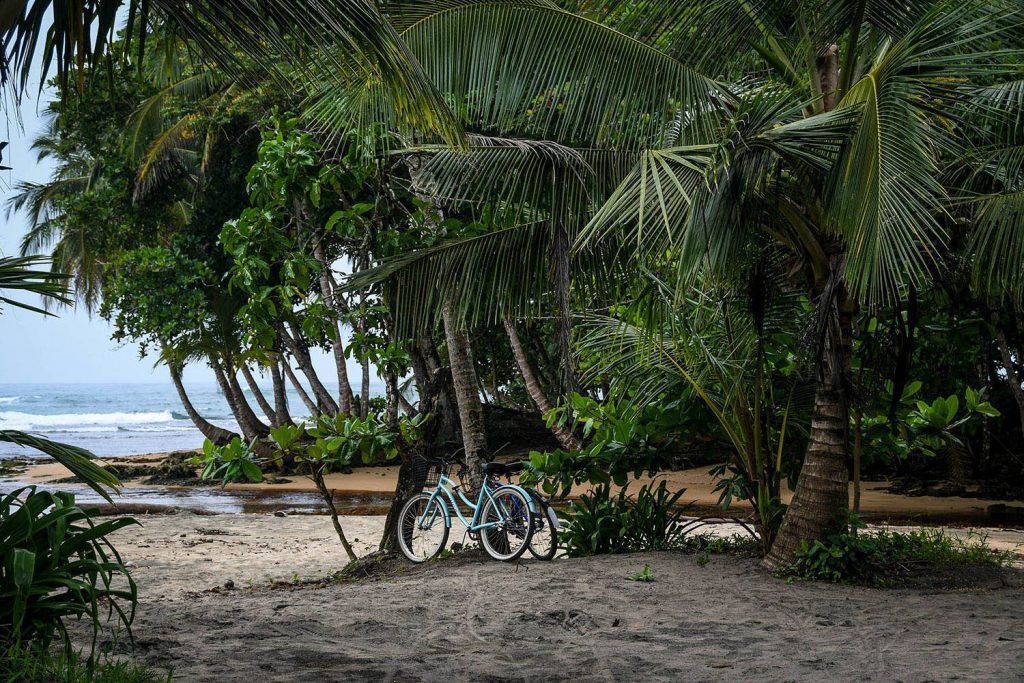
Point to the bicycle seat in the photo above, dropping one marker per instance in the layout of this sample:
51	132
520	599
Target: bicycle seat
501	469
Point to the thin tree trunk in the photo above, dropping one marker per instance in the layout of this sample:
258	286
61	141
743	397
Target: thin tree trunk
281	412
328	496
345	397
857	453
563	284
217	435
313	410
1012	376
565	437
257	394
248	414
822	490
301	355
392	396
364	392
225	388
471	414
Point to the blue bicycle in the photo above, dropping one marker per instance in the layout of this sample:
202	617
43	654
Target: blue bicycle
502	516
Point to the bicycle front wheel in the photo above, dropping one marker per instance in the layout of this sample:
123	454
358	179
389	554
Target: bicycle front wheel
422	528
508	524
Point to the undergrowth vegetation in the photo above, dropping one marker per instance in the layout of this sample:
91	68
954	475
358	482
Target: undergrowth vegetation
883	557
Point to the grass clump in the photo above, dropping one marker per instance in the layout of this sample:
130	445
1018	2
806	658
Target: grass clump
41	665
644	575
884	557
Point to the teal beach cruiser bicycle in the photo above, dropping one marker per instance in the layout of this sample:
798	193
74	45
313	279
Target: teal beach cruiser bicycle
502	517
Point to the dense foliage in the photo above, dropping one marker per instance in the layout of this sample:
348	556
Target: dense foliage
778	238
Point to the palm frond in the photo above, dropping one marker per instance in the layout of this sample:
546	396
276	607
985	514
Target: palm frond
19	273
80	462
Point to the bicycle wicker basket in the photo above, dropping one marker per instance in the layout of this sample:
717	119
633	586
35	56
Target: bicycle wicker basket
428	472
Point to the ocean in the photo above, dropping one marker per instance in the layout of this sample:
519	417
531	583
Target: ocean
116	420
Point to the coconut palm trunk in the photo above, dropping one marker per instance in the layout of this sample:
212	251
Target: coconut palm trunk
467	398
565	437
821	498
217	435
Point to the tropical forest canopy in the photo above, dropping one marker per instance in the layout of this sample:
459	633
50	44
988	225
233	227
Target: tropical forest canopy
783	238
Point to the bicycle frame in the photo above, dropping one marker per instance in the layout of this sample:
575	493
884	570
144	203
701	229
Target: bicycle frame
446	485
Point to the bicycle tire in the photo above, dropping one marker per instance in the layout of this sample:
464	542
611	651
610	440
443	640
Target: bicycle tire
497	541
543	546
434	542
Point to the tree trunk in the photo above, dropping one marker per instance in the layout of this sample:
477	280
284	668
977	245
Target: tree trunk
392	396
248	414
404	488
225	389
1012	376
313	411
563	284
257	394
318	478
565	437
217	435
364	391
323	396
345	397
822	490
471	413
281	412
828	76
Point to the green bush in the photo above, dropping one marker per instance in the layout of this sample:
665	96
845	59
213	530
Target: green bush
878	558
600	523
40	665
57	563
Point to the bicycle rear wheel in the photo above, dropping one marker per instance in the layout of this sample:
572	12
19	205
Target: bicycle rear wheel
544	541
422	528
507	511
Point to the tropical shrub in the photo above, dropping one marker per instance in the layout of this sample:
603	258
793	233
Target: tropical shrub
58	563
601	523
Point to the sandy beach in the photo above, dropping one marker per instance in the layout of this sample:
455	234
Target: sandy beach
236	598
265	584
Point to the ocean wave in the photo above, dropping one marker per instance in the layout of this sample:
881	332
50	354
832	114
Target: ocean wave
59	422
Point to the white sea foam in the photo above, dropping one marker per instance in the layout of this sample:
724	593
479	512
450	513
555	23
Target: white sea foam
80	421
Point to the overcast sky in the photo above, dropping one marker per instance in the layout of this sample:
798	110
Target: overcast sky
71	347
